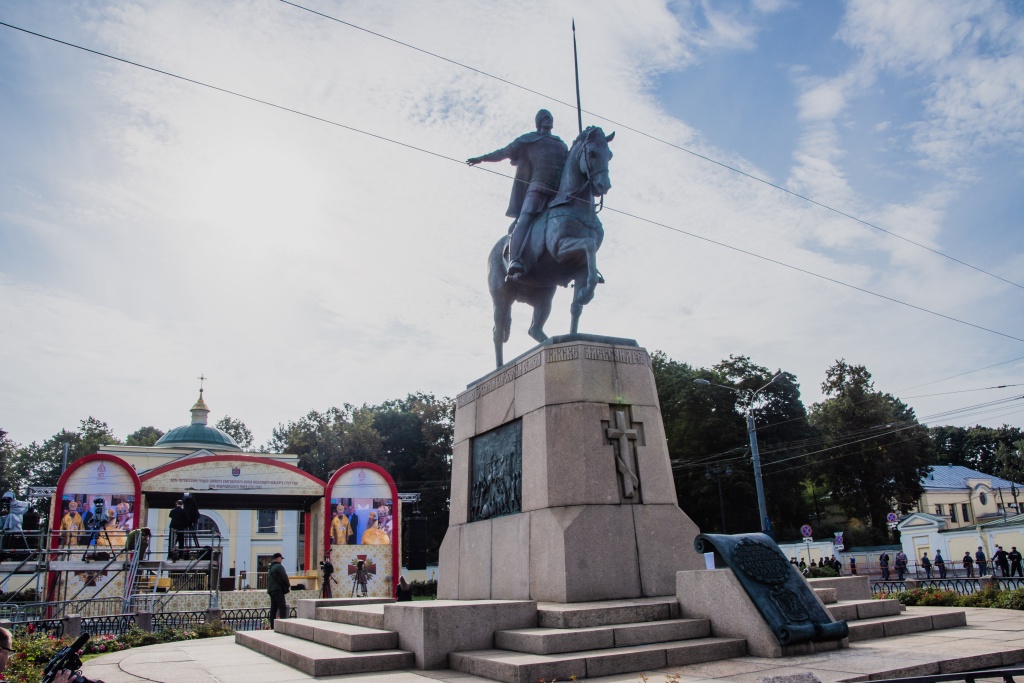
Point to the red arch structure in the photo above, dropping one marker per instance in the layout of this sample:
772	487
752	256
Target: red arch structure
81	462
247	459
396	524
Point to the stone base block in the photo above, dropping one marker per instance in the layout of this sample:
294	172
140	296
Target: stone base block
432	629
717	595
846	587
581	553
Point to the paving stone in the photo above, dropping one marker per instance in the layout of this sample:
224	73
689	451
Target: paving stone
701	650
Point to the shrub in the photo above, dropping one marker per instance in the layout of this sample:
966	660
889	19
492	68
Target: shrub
821	573
1010	599
927	597
423	588
985	598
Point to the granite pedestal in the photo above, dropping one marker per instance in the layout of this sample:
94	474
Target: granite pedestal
591	511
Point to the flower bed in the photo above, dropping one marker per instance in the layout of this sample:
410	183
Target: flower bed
936	597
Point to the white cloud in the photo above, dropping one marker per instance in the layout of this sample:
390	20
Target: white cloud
173	230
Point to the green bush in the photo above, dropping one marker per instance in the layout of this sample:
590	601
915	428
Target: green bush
423	588
1010	599
821	573
985	598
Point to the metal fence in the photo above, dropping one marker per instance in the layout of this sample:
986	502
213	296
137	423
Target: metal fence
113	625
248	619
54	627
191	620
34	611
962	586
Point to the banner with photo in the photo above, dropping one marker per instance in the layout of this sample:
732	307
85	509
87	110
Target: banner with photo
361	531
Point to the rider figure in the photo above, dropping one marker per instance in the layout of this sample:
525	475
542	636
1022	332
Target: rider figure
538	158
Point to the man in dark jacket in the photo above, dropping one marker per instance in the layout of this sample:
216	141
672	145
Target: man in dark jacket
179	523
1015	557
982	562
278	586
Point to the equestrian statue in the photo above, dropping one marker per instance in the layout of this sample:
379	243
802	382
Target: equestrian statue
556	234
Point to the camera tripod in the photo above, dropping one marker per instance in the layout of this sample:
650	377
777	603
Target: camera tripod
359	581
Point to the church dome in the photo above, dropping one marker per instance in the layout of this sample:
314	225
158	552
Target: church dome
198	434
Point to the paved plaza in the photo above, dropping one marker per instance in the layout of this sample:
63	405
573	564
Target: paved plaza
992	638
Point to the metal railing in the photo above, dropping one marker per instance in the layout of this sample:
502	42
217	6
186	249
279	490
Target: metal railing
34	611
880	587
178	620
113	625
1006	675
251	619
154	602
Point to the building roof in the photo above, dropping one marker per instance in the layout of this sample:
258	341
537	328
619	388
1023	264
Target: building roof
956	476
198	434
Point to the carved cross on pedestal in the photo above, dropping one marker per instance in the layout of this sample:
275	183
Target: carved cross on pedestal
621	435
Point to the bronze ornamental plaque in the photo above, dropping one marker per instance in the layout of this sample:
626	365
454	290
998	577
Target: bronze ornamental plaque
761	562
496	472
784	600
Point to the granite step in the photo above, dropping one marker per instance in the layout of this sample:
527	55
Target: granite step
829	596
306	608
321	660
543	641
523	667
853	610
914	620
367	616
604	613
338	635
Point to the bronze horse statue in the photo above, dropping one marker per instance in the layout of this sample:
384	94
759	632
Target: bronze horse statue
562	245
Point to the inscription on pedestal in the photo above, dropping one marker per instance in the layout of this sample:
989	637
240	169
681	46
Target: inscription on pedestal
496	472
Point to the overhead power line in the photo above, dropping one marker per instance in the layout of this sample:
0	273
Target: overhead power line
656	139
439	155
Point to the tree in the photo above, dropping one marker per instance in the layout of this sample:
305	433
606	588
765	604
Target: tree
237	430
708	439
874	453
973	447
144	436
411	438
1009	462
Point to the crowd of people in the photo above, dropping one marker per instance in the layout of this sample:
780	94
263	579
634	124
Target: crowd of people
825	562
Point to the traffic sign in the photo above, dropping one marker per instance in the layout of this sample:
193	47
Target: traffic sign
891	518
806	530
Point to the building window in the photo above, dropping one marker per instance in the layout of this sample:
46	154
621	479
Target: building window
982	498
966	511
205	525
952	512
938	510
266	521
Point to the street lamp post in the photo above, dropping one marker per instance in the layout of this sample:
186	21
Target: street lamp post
762	508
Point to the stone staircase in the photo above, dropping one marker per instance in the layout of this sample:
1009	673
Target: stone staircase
587	640
345	637
871	619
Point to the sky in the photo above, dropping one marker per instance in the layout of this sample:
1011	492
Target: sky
793	181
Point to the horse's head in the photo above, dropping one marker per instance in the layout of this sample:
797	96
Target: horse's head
594	155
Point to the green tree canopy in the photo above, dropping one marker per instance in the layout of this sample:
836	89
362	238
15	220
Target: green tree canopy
974	447
411	438
708	440
144	436
874	452
237	430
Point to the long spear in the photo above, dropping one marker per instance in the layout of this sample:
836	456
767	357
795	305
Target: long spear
576	63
